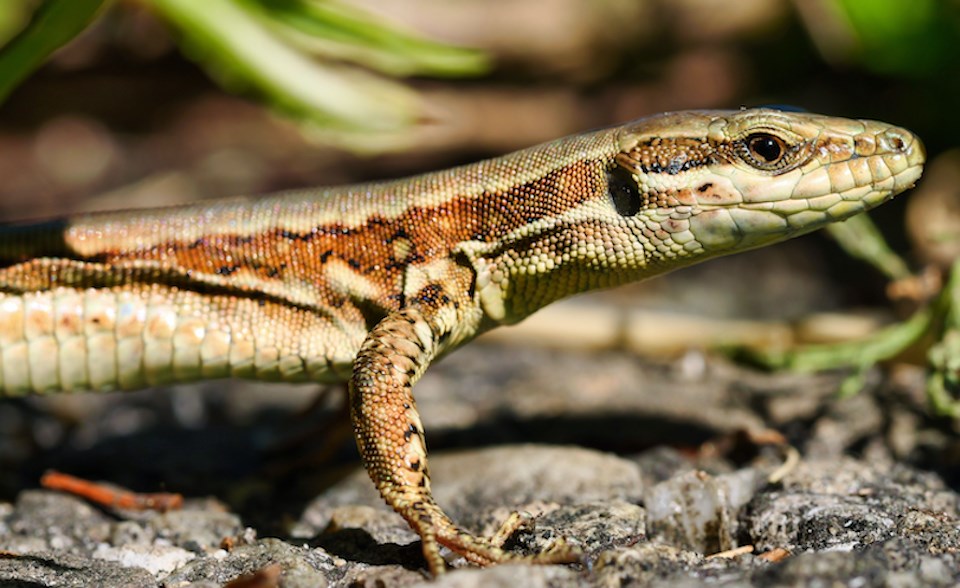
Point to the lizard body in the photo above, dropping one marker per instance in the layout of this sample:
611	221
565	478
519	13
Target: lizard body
370	283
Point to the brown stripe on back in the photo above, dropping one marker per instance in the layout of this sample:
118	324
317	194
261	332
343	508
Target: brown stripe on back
379	250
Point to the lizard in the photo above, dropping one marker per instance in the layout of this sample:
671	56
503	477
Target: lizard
371	283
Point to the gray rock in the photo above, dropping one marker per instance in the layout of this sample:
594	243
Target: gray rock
849	505
508	576
65	570
892	563
699	511
478	486
301	567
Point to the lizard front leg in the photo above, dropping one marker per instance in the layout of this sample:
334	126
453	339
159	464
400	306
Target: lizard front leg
391	439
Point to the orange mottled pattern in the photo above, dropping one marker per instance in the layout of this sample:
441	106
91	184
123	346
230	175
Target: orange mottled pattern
379	250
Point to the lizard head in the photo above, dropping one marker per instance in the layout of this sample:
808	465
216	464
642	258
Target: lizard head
693	185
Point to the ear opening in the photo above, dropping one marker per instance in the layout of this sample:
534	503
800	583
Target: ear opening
624	192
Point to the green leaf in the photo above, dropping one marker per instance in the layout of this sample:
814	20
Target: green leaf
882	345
333	29
343	102
14	15
903	37
861	238
52	26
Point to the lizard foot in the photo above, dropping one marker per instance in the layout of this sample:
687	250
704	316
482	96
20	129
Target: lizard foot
483	551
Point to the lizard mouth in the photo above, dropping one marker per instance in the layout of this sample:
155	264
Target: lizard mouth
754	213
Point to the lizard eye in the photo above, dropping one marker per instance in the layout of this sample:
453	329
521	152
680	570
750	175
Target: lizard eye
624	192
765	149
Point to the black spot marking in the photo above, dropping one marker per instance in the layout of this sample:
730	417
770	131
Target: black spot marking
400	298
226	270
415	465
624	192
674	167
432	293
326	255
410	432
291	235
705	187
353	263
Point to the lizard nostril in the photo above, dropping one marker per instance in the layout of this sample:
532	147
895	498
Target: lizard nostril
895	140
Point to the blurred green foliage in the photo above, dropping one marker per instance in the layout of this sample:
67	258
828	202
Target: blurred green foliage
904	38
13	17
51	25
332	66
320	61
329	29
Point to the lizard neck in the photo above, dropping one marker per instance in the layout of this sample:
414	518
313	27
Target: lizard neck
532	252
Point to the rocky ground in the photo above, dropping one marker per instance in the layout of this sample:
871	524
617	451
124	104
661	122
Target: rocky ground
645	466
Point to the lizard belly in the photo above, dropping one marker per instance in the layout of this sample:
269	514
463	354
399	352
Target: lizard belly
129	337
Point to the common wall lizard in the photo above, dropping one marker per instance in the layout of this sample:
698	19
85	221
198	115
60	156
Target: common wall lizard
371	283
